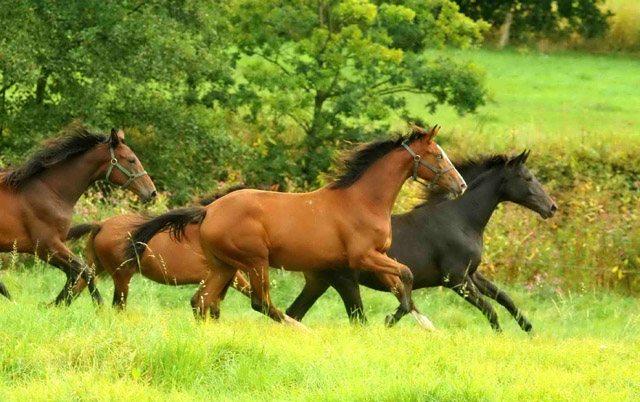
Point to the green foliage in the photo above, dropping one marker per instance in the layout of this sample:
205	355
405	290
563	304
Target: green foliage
551	18
154	65
338	70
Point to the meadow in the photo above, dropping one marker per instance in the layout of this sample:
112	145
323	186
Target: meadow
575	277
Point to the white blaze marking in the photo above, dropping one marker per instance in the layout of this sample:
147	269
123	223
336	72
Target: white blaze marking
444	155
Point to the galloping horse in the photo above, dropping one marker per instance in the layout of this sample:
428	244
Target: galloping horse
442	241
346	223
165	260
37	199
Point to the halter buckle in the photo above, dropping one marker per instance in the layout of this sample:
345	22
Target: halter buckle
114	161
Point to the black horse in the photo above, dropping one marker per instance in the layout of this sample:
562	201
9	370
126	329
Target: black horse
441	241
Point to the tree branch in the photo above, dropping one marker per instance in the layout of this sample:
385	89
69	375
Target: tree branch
273	61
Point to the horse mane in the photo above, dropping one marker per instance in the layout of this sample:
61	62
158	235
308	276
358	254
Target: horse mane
208	199
470	169
353	164
74	141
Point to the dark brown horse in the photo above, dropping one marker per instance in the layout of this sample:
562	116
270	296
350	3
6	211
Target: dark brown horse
442	241
37	199
346	223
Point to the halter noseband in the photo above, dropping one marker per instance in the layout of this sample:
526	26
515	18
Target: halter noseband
131	176
418	161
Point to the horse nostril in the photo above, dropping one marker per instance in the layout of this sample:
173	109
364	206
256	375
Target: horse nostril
553	208
154	194
463	186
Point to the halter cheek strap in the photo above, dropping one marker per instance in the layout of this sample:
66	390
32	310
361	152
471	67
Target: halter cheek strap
114	163
418	161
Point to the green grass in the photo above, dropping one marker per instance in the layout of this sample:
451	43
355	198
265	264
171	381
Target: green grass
569	100
579	115
585	348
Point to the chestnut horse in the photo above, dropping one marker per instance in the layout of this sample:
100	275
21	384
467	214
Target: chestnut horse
165	260
346	223
442	240
37	199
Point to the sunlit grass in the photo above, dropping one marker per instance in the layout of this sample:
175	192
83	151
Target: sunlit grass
585	348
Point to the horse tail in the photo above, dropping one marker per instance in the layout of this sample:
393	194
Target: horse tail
82	230
175	222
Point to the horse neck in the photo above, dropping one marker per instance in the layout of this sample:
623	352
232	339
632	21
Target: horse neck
380	185
68	180
477	204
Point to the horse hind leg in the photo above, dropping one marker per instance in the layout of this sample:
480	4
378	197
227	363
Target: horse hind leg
260	297
214	310
212	291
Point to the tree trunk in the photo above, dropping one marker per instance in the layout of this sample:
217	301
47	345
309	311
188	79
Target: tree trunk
41	86
504	37
311	141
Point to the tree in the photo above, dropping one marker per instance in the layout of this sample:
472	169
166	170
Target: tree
156	65
336	70
556	18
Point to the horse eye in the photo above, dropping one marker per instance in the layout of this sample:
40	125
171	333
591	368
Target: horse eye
132	160
530	178
439	156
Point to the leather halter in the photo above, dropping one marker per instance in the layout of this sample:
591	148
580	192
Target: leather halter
418	161
114	163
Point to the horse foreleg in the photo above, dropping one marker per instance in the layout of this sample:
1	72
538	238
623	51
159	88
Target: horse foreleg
121	281
489	289
387	270
61	257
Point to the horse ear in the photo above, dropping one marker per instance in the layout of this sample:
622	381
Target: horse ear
117	137
432	133
518	159
527	152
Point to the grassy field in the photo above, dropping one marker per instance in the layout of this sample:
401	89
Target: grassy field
579	115
585	347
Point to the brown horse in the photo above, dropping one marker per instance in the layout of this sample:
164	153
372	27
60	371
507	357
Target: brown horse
165	260
37	199
346	223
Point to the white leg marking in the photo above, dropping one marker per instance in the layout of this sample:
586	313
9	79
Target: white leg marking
423	321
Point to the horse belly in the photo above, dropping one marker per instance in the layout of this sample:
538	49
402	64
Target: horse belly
307	247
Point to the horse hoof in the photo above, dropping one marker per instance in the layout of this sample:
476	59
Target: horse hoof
290	322
389	321
423	321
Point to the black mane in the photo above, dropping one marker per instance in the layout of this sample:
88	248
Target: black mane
354	163
469	169
74	141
